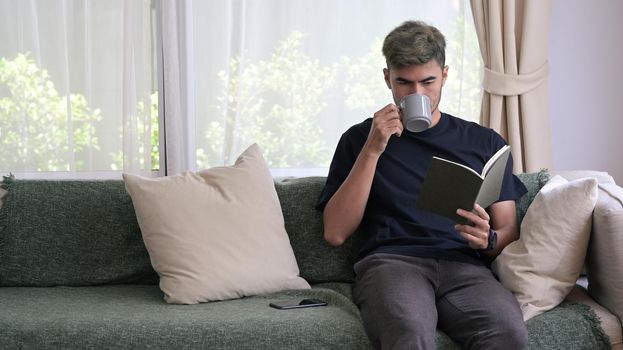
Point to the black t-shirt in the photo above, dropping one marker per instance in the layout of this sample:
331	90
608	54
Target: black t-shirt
391	223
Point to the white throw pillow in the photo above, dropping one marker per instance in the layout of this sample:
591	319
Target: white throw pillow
542	266
216	234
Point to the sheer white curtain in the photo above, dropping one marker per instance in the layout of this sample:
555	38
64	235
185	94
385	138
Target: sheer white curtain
293	75
176	81
76	88
138	85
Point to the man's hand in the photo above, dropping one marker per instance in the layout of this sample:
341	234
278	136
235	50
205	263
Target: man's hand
501	217
476	234
386	122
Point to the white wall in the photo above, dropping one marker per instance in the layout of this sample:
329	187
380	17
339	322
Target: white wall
585	85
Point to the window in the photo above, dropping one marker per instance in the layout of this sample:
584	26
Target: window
77	88
294	75
78	80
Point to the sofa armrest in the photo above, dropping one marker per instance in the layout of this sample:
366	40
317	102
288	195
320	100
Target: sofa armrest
602	177
604	262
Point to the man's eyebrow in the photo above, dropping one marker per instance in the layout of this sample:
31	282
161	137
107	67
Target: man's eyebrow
405	80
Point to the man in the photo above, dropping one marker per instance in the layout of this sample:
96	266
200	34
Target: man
416	271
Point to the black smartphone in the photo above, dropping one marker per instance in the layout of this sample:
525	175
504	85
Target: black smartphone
297	304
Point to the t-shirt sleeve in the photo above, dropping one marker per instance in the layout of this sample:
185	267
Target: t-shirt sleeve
512	187
343	159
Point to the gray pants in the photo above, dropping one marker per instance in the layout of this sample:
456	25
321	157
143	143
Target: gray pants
403	300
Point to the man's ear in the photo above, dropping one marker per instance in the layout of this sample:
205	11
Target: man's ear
444	75
386	74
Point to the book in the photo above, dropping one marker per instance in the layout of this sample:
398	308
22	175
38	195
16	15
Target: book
449	186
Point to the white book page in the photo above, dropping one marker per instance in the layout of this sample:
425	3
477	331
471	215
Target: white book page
491	161
461	165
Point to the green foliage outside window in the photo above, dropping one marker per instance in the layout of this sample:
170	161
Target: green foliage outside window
288	131
36	130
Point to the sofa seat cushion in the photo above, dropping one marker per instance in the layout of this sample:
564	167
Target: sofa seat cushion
570	325
135	316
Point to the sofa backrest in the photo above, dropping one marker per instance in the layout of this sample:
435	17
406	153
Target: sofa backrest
317	260
84	232
70	233
533	182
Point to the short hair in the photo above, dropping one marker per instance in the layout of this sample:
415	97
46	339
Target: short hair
414	42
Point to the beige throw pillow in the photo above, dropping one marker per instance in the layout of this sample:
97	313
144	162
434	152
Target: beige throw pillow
216	234
542	266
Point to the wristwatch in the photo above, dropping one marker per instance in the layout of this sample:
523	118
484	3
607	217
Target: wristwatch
492	241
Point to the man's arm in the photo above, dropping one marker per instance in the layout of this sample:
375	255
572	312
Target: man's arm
344	211
501	218
504	222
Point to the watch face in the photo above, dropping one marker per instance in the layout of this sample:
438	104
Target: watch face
493	240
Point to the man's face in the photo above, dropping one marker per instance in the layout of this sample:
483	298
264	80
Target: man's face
424	79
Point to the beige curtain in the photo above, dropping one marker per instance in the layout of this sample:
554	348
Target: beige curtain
513	42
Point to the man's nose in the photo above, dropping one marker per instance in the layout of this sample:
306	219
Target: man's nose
416	89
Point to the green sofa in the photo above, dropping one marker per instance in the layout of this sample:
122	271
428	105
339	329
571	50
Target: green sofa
74	274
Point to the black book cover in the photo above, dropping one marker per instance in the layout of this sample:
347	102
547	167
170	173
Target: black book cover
449	186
